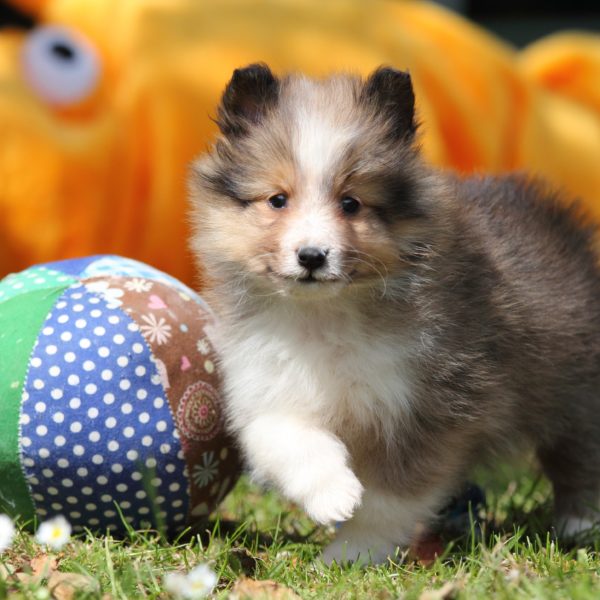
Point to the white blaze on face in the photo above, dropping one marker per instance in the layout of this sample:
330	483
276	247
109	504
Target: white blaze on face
319	142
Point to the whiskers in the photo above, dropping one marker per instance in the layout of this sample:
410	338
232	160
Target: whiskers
376	265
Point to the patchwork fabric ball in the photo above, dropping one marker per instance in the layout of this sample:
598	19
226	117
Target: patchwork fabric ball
109	398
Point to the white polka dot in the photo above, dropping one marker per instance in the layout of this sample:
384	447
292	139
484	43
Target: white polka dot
114	320
99	331
97	459
39	407
177	503
60	440
75	515
151	463
41	430
179	517
107	375
170	468
96	313
124	384
144	510
103	352
38	498
93	412
110	513
91	507
73	379
137	348
160	500
119	339
38	384
35	362
133	327
63	463
94	300
67	483
80	324
140	494
28	461
116	468
144	417
78	450
78	307
136	476
48	330
77	296
52	490
72	500
70	357
84	343
76	427
54	370
51	349
156	481
129	432
122	361
75	403
60	305
94	436
140	370
110	422
82	472
125	504
58	417
158	402
93	521
126	408
147	440
142	394
88	365
161	426
56	394
174	487
108	398
121	487
91	388
113	446
102	480
132	454
25	441
62	319
66	336
88	491
24	418
155	379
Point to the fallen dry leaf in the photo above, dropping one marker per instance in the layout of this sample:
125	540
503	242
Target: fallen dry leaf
42	566
64	586
251	589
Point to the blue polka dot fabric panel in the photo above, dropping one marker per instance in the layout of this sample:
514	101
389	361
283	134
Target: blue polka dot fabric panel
96	427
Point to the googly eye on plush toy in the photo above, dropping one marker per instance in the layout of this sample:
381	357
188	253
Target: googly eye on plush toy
60	65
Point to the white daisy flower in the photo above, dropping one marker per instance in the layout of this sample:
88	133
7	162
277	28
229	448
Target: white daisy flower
7	532
155	330
138	285
198	583
55	532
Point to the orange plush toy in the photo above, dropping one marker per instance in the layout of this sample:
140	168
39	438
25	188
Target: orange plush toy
104	102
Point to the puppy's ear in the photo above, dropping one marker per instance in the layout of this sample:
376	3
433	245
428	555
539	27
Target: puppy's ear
247	98
390	92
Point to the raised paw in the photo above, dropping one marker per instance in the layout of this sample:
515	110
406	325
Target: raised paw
334	499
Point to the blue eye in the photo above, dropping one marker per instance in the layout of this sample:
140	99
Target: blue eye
278	201
350	205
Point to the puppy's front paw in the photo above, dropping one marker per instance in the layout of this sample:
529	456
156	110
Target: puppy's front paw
335	498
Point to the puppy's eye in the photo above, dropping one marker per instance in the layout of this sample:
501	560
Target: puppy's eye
278	201
350	205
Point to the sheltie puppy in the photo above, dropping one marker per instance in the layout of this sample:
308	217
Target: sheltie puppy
383	325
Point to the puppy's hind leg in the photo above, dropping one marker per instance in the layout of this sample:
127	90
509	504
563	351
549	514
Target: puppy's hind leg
573	467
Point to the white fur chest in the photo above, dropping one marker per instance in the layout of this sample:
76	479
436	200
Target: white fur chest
326	366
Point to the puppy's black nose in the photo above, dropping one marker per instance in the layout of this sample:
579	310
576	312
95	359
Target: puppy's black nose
311	257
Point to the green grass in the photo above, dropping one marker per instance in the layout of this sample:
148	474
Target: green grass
258	536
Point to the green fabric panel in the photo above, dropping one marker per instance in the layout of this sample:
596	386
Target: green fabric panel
35	278
21	318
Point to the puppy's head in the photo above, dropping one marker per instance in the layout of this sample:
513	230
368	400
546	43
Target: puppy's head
312	186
